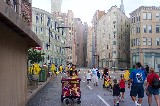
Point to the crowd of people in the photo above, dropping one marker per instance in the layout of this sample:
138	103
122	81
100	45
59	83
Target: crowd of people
140	81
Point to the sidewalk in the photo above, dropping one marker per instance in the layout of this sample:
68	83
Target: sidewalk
33	90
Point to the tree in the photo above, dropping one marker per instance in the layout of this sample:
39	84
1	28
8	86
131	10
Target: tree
35	56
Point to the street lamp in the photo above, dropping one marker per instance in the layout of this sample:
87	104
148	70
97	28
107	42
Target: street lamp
98	59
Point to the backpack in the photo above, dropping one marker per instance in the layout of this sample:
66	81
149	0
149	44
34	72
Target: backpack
155	83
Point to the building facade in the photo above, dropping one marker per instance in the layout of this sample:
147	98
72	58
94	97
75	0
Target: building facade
80	42
98	14
89	48
85	36
53	38
145	36
71	38
16	38
113	39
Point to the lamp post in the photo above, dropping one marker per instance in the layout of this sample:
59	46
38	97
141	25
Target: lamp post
98	59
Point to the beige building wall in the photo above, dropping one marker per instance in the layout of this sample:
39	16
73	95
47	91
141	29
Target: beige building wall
16	38
71	55
113	39
80	42
13	75
98	14
145	36
89	47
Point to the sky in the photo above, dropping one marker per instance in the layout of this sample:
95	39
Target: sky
85	9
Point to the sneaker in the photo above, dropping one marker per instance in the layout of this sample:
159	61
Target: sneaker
136	103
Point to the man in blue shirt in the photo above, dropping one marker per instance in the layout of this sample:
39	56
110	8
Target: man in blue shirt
137	77
95	77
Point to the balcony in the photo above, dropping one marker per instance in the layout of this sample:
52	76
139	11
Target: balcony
22	8
11	16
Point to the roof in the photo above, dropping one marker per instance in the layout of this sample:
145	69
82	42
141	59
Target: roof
13	20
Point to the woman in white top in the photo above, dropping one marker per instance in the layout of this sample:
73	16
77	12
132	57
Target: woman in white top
95	77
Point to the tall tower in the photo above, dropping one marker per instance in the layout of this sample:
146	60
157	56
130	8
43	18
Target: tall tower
122	7
56	6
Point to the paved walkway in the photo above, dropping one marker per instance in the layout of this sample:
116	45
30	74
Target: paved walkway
33	90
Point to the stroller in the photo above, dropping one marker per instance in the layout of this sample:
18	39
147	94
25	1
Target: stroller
71	90
107	83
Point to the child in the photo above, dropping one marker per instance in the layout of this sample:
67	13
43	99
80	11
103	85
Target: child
88	76
116	92
122	87
75	90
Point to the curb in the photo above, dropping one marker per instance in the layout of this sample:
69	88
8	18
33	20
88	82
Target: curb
34	92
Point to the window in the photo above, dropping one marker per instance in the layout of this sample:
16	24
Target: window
114	22
37	18
157	41
139	42
134	19
138	29
107	46
157	28
149	41
114	42
134	42
150	28
145	28
144	41
41	19
131	42
149	16
144	16
49	21
157	16
137	18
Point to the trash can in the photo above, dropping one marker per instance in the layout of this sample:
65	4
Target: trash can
42	76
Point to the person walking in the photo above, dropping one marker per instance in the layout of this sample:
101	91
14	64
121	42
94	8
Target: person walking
105	72
122	87
116	92
137	77
95	77
133	68
152	79
88	76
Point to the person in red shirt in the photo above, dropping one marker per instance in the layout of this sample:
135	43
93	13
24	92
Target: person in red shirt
122	87
150	89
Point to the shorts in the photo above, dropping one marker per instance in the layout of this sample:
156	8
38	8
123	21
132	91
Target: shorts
137	89
122	90
153	91
88	79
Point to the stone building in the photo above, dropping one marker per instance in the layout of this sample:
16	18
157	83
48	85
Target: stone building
113	39
53	37
145	36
